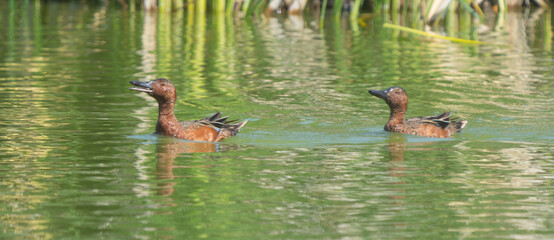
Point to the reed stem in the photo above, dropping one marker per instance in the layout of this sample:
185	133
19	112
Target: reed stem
355	11
230	7
337	8
322	16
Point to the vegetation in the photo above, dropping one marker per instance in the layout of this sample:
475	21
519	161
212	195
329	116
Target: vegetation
429	10
414	14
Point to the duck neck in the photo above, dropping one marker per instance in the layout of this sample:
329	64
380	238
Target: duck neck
397	117
167	122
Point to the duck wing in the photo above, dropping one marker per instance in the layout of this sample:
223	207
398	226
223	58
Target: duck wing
442	120
215	121
445	121
191	125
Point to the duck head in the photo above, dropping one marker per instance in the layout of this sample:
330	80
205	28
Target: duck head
395	97
161	89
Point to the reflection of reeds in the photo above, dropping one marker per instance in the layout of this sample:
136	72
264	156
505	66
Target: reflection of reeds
246	7
434	10
431	11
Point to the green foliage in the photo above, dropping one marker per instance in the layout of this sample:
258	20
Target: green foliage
242	8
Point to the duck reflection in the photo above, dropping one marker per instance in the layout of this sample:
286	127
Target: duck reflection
167	149
396	147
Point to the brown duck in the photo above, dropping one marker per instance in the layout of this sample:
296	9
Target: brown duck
211	129
440	126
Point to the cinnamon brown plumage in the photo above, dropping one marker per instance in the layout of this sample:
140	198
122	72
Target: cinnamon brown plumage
440	126
210	129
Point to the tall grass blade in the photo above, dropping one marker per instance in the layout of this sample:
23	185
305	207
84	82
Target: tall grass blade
466	7
322	16
164	5
246	5
218	6
337	7
355	12
410	30
230	7
178	4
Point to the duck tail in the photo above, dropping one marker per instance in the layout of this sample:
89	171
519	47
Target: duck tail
230	130
460	124
235	128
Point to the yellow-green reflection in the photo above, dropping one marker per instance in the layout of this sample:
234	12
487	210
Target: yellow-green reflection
79	159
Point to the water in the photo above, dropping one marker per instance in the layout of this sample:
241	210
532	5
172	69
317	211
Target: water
78	158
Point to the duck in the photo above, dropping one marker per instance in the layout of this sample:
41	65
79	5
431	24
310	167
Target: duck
439	126
210	129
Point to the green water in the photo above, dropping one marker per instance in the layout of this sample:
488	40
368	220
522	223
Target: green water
78	160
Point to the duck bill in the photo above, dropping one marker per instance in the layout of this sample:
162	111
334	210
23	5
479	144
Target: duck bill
142	86
379	94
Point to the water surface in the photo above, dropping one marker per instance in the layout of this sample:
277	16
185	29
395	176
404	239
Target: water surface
79	159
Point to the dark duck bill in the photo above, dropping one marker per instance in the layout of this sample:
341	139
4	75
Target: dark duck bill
379	94
142	86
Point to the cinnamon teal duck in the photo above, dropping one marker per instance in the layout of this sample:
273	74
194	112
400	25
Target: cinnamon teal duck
210	129
440	126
